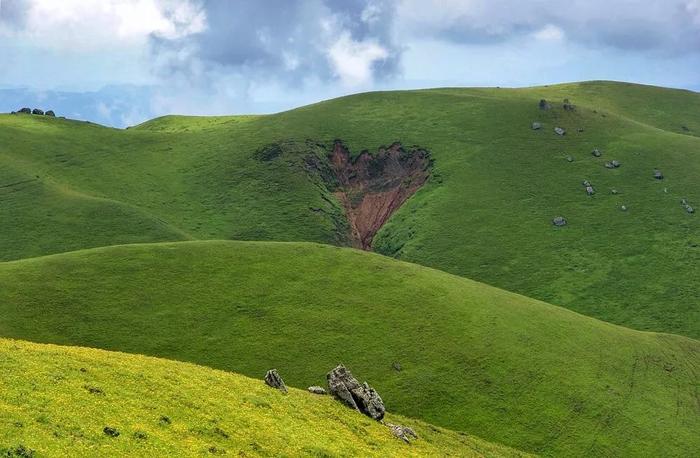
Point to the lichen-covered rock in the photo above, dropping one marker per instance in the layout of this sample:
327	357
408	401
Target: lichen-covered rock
316	390
403	432
273	379
361	397
559	221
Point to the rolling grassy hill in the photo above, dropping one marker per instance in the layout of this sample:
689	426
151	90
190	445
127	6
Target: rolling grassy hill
509	369
485	213
56	401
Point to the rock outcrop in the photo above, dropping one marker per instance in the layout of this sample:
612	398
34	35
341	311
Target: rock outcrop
360	397
273	379
50	113
25	110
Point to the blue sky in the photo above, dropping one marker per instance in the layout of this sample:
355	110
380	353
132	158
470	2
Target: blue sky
119	62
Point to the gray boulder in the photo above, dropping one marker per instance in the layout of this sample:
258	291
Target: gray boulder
559	131
596	152
615	164
403	432
559	221
658	175
50	113
536	126
273	379
25	110
316	390
37	111
589	190
347	389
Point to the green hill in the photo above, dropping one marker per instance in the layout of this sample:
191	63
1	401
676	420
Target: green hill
484	214
57	401
509	369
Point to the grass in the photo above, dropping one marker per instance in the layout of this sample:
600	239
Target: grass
486	213
57	401
504	367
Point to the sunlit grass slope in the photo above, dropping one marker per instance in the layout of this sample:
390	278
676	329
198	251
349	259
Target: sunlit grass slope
57	401
486	214
509	369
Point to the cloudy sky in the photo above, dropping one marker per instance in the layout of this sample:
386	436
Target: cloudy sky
120	62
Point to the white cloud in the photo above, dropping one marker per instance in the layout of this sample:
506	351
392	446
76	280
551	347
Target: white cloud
352	60
549	33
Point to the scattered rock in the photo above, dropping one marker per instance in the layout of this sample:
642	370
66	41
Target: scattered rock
608	165
273	379
559	221
586	183
37	111
614	191
403	432
397	366
689	209
658	175
596	152
50	113
316	390
362	398
580	129
26	110
559	131
536	126
623	208
615	164
111	432
544	105
684	202
589	190
568	106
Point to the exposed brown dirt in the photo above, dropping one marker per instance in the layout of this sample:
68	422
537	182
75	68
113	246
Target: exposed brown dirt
373	186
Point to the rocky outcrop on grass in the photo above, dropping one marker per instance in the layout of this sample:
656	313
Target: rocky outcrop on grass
360	397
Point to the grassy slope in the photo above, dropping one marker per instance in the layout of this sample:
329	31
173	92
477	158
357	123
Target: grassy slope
486	217
507	368
46	406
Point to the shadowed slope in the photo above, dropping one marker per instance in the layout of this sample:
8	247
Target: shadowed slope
510	369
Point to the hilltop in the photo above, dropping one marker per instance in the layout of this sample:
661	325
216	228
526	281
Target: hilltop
57	401
473	358
485	211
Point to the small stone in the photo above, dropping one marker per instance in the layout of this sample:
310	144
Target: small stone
658	175
580	129
589	190
111	432
615	164
609	165
273	379
689	209
623	208
397	366
544	105
559	131
316	390
614	191
586	183
559	221
596	152
403	432
536	126
569	159
684	202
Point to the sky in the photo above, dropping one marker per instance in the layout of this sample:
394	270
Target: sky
120	62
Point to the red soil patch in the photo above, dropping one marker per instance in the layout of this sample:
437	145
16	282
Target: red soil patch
373	187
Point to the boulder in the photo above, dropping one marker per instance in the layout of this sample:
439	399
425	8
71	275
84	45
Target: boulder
25	110
615	164
559	131
536	126
568	106
689	209
403	432
609	165
544	105
316	390
347	389
50	113
273	379
559	221
37	111
658	175
589	190
596	152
